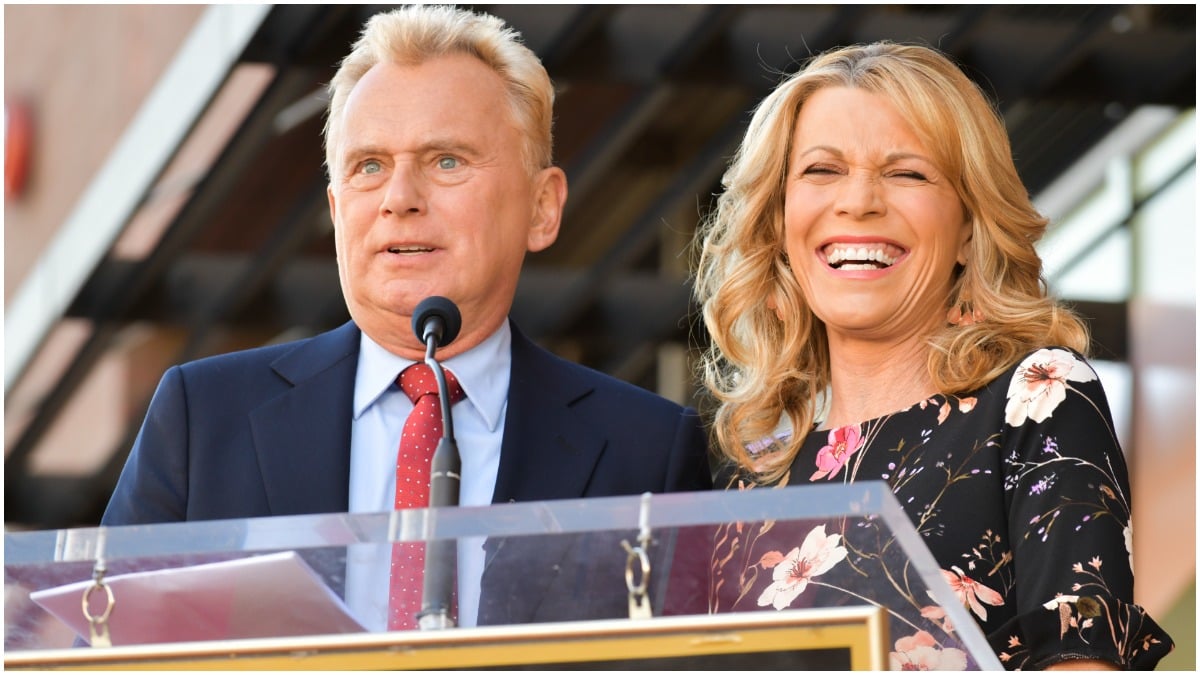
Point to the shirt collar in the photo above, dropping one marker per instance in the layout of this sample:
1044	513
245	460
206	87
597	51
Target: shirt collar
483	372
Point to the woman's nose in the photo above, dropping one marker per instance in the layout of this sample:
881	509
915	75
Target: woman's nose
860	196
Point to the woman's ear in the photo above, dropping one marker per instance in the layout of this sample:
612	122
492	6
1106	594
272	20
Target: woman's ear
773	305
964	241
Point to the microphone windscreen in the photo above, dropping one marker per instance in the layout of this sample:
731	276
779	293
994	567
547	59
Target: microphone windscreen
435	306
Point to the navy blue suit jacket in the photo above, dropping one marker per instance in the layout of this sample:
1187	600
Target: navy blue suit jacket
266	432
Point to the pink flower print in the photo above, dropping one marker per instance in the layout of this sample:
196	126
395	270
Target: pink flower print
816	556
971	593
933	612
943	412
938	615
1040	384
770	559
843	442
921	652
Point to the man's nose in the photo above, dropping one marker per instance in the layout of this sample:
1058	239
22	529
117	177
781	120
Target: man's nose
405	192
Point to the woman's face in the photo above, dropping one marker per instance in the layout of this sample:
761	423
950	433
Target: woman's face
872	227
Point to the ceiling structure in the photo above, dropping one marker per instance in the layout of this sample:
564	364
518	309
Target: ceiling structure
652	102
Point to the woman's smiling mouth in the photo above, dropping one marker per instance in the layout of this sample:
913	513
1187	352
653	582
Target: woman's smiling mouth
874	256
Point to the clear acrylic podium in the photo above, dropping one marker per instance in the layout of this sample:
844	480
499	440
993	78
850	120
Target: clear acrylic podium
847	584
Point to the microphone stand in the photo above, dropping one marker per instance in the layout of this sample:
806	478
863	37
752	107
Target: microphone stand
441	555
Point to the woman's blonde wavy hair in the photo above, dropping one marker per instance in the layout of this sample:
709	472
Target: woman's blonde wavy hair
414	34
760	367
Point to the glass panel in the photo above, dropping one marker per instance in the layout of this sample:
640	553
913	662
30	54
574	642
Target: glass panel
836	546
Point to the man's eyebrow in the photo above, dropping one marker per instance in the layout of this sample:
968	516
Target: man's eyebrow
446	145
351	152
434	145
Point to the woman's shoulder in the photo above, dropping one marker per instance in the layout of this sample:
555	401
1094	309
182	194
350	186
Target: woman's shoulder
1037	384
1041	364
1052	356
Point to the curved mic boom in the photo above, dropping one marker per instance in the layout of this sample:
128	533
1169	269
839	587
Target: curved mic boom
436	323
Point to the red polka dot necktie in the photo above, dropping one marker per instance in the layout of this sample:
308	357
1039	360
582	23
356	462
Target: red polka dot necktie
422	431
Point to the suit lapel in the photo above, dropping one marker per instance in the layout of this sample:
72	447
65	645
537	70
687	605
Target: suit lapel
303	437
546	452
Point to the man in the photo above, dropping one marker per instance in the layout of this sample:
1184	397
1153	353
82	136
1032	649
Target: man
438	147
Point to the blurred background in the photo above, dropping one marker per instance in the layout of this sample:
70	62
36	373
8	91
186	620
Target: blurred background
165	200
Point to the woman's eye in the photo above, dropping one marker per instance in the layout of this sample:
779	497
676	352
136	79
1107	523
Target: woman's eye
447	163
913	175
819	169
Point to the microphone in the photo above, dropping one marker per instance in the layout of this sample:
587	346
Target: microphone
438	318
436	323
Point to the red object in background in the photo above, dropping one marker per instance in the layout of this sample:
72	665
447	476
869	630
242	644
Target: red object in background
18	144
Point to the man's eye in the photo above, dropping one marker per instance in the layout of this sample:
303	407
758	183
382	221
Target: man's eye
371	166
447	163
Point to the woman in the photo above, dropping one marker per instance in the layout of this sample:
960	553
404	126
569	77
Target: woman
877	312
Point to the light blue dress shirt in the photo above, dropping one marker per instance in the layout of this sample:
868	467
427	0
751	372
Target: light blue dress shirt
380	409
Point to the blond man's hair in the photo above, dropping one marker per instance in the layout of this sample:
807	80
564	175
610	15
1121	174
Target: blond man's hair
415	34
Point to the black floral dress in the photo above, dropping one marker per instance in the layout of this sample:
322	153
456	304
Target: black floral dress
1021	493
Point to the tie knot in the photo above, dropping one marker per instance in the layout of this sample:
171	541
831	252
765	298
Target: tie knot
418	380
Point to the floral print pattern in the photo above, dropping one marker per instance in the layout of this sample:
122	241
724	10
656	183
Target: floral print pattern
1026	469
971	593
921	652
843	442
1040	384
815	557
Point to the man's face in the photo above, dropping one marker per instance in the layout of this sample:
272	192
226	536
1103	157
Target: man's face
430	195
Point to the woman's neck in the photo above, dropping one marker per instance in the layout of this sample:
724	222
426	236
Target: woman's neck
870	379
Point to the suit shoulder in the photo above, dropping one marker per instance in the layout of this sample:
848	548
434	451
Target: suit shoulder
293	360
243	362
242	357
622	388
609	390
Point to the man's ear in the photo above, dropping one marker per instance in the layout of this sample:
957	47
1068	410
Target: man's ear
550	194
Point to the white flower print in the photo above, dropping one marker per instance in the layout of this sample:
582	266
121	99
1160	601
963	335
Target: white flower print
1040	384
816	556
1060	599
1128	532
